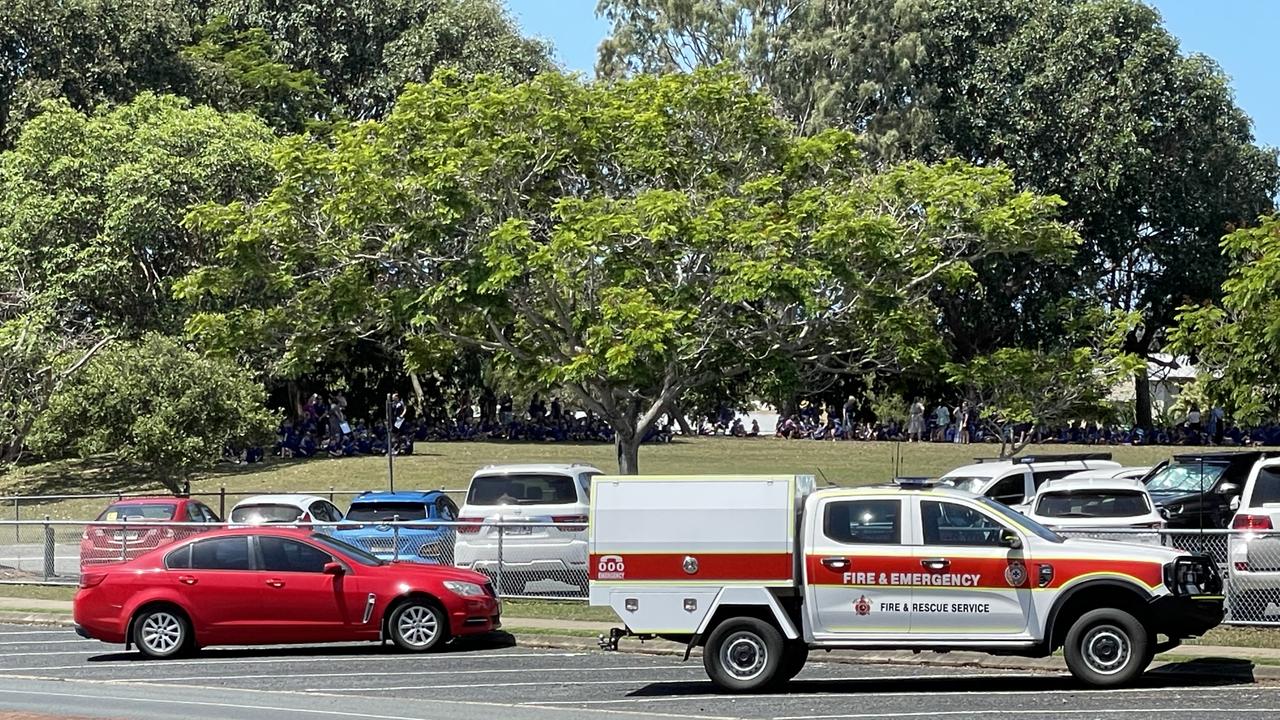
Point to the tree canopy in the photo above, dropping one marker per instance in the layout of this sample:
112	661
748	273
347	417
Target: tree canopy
627	242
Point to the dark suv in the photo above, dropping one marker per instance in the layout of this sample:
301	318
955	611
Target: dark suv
1196	490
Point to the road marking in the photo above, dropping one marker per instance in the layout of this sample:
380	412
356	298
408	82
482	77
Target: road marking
138	659
281	676
45	642
566	683
36	632
1029	711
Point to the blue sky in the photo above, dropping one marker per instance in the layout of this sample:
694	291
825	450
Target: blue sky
1237	33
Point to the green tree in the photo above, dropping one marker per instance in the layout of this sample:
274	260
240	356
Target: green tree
366	50
1236	341
158	405
625	242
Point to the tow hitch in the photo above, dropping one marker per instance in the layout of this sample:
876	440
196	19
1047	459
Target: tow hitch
610	642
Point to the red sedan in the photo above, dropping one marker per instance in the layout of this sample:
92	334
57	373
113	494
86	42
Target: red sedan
265	586
132	526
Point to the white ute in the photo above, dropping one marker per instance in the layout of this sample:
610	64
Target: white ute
758	570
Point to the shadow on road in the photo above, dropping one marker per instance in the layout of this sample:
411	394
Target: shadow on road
1198	673
491	641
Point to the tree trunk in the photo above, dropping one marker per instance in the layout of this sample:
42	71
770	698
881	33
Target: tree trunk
678	413
1142	399
628	454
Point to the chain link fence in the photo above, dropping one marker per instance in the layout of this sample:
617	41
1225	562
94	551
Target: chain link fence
523	559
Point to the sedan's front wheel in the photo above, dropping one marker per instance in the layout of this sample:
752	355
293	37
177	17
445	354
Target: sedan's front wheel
418	626
161	633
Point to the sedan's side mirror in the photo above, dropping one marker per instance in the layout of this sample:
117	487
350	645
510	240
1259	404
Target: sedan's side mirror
1227	488
1010	539
333	568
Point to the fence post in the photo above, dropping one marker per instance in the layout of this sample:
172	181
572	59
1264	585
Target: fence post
222	503
124	541
17	518
48	549
395	538
498	589
330	493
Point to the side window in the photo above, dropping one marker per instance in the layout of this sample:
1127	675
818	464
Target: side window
285	555
947	523
1010	490
1040	477
858	522
334	513
194	514
179	559
320	512
443	509
229	553
585	482
209	515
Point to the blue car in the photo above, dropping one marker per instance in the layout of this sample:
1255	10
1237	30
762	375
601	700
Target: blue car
367	525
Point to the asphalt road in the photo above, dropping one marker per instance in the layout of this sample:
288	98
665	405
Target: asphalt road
51	671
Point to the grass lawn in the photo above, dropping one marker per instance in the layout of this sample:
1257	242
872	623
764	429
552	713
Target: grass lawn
450	465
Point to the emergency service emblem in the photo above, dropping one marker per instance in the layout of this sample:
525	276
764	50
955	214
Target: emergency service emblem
863	606
1016	573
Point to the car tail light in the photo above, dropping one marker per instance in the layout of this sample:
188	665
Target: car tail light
1242	566
472	527
92	579
348	526
570	523
1251	522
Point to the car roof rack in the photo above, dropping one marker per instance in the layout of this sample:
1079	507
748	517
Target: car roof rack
1062	457
1225	454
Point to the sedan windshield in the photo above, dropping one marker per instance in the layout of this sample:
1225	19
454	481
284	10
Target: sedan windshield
969	484
1093	504
1192	477
259	514
386	512
137	511
351	551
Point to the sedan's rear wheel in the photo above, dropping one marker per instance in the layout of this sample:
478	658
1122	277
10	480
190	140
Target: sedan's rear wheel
161	633
418	626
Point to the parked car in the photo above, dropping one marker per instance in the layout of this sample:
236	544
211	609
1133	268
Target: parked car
367	525
1201	490
1013	481
284	509
1253	566
144	523
552	557
274	585
1096	501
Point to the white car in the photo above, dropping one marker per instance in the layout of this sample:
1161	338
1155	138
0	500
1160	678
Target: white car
1015	481
535	559
1096	502
276	509
1253	550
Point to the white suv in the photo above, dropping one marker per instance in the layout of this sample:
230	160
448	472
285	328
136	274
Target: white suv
535	559
1253	567
1015	481
1098	501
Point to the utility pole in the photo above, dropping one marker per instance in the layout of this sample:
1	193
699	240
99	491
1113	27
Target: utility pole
391	455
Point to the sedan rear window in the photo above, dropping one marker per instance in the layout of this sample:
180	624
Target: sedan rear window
386	512
1093	504
522	490
257	514
138	511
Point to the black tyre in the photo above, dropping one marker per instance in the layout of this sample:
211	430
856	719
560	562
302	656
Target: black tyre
1107	647
794	655
418	626
743	655
162	632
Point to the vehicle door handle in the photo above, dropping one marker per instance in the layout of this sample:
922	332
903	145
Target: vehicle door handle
936	563
187	580
273	582
836	563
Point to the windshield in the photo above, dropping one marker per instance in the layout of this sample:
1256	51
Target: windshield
347	549
259	514
1192	477
967	483
135	511
1266	487
522	490
1093	504
386	512
1018	518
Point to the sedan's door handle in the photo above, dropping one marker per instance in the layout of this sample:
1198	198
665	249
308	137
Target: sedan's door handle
187	580
936	563
275	583
836	563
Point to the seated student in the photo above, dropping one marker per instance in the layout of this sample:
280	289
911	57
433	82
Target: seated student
755	428
736	429
308	446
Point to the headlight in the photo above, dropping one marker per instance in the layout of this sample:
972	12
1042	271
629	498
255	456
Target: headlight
465	589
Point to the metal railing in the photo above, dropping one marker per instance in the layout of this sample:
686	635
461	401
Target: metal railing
522	558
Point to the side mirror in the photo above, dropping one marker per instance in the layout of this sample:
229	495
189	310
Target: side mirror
333	568
1228	489
1010	539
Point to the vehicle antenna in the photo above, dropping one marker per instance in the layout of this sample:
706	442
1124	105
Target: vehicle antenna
824	478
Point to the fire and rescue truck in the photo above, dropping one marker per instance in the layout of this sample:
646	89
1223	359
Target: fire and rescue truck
759	570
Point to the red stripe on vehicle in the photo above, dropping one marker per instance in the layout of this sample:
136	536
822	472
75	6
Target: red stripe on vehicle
672	567
968	572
